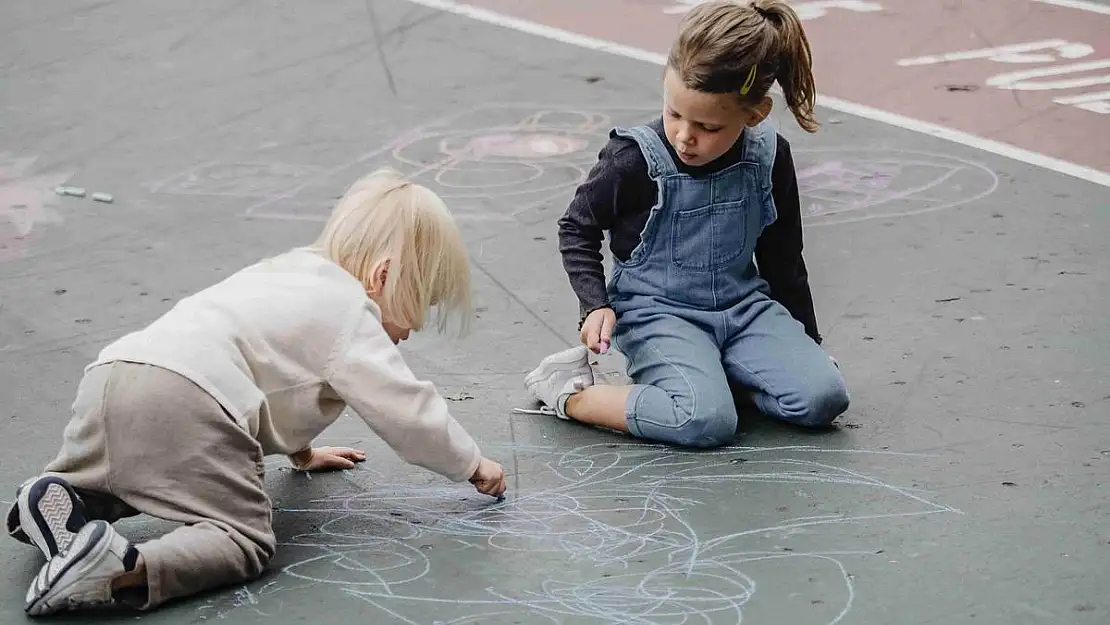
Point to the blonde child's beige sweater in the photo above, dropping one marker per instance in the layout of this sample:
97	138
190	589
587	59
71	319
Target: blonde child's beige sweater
285	345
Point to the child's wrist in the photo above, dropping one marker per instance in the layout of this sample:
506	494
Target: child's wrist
301	458
586	312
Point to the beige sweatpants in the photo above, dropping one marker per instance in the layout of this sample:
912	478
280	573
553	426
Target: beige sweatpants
145	440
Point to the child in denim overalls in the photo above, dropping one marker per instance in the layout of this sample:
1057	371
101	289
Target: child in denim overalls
692	202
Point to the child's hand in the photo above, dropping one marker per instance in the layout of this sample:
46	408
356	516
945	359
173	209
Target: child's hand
597	329
489	479
328	459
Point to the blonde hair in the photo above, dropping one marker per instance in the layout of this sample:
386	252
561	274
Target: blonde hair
724	46
383	217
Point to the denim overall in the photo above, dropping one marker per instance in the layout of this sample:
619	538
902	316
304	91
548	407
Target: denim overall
694	315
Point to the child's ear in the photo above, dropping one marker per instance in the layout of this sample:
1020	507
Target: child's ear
378	275
760	111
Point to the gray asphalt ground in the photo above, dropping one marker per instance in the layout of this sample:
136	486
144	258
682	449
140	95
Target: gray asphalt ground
965	296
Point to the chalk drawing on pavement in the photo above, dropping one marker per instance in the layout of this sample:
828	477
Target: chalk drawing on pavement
496	162
236	179
612	533
847	184
522	162
26	200
518	164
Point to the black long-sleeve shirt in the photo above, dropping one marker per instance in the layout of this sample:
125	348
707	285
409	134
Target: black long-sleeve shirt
618	195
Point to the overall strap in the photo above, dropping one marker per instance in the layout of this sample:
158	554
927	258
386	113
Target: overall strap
761	144
655	152
760	147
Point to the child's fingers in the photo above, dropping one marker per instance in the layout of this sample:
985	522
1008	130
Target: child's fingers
606	333
589	331
492	487
354	454
339	462
607	323
593	339
347	452
589	335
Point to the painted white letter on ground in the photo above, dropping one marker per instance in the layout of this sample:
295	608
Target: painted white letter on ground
1014	53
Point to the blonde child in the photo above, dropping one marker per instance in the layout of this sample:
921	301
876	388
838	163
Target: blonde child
709	289
174	420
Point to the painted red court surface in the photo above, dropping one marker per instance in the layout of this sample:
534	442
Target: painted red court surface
1030	73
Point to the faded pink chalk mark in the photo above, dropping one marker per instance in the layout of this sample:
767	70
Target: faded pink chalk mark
856	184
520	145
24	203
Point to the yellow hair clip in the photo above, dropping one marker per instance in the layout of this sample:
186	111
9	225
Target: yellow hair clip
747	86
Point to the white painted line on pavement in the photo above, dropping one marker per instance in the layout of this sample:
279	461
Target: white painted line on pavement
851	108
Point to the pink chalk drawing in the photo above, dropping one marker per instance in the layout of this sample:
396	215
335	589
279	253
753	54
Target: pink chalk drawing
846	184
517	146
530	155
24	204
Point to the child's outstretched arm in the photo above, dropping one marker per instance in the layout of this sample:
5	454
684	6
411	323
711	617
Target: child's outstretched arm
367	370
779	249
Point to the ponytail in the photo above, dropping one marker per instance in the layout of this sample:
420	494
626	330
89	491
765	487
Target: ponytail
732	47
795	62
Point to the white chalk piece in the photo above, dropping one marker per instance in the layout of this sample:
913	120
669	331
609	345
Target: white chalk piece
71	191
103	197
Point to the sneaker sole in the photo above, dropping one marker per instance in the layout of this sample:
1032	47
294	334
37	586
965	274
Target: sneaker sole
50	514
90	546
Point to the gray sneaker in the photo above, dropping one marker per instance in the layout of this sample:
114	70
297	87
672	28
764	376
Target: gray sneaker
50	514
81	577
561	373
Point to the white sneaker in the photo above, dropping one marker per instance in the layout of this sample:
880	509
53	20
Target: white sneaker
50	514
559	374
81	577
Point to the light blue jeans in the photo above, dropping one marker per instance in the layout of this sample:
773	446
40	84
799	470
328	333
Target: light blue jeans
682	362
